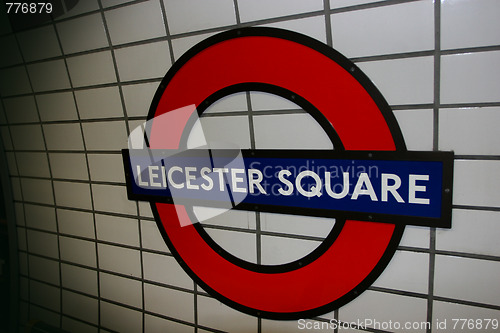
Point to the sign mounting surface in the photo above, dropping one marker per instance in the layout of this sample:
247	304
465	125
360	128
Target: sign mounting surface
371	211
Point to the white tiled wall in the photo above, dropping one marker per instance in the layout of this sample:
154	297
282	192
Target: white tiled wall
90	260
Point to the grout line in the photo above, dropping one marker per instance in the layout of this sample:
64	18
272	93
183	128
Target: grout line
328	25
435	146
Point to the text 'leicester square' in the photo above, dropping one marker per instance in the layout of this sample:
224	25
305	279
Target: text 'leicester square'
369	183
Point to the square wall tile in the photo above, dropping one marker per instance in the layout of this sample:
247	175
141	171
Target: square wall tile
230	103
78	251
214	314
110	198
33	164
347	3
109	135
37	190
75	223
251	10
240	244
112	287
40	217
23	263
119	230
296	224
279	131
79	279
7	142
135	22
77	326
42	243
80	306
282	250
416	236
82	34
469	23
165	269
120	319
444	311
21	110
181	45
39	43
391	29
403	81
11	163
16	189
44	269
138	98
49	75
472	231
14	81
27	137
471	131
202	14
99	103
70	194
106	167
408	271
24	287
263	101
9	54
475	183
311	26
91	69
225	218
467	279
63	136
294	326
48	316
21	239
80	7
229	131
156	324
111	3
58	106
417	127
68	166
470	77
169	302
152	238
120	260
3	118
145	210
44	295
143	61
395	308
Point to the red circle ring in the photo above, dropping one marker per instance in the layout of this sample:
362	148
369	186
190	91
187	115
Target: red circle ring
363	121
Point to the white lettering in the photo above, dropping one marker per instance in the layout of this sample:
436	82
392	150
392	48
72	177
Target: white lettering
139	178
190	177
358	189
386	188
345	186
281	177
314	190
236	180
153	176
413	187
220	171
210	183
170	180
255	181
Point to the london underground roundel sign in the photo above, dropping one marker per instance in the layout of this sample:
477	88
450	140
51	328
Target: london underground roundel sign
370	211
